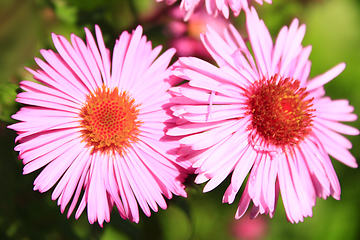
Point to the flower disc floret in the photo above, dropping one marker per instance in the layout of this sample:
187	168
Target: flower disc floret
109	120
280	113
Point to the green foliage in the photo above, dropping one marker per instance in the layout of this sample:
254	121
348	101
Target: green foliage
7	99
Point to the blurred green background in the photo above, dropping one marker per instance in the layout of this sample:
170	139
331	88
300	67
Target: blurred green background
333	29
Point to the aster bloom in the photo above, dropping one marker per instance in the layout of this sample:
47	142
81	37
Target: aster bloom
261	116
214	6
97	126
186	35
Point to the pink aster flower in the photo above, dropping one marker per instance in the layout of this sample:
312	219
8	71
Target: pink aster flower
214	6
186	35
261	116
97	126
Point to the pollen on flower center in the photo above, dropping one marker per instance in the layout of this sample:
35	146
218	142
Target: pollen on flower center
109	120
280	114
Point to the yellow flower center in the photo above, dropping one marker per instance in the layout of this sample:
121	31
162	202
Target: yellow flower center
109	121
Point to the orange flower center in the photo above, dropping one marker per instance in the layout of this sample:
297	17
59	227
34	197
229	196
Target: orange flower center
280	115
109	121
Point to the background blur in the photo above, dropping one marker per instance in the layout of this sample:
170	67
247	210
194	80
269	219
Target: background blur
333	29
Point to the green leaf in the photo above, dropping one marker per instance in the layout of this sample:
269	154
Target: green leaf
8	105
